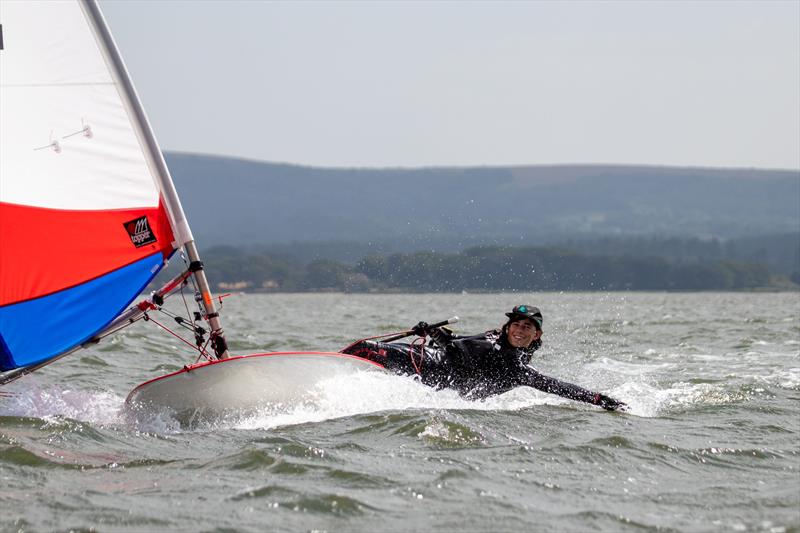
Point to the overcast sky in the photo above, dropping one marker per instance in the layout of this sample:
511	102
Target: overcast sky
367	84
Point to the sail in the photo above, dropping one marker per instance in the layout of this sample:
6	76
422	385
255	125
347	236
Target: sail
88	212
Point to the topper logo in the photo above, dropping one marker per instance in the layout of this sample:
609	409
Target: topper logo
139	231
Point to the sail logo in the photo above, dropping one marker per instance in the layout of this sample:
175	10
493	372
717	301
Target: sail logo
139	231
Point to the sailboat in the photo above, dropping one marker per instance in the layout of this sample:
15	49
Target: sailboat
89	215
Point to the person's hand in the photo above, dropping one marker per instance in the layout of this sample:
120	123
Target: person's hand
420	329
609	404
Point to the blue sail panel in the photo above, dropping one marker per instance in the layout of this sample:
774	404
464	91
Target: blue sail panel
34	331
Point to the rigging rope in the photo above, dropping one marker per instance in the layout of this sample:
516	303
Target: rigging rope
190	322
202	350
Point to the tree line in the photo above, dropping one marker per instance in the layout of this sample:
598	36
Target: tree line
485	268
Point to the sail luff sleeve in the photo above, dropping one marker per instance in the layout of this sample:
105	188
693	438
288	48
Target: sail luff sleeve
155	159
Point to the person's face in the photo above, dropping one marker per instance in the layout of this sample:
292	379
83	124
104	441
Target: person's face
522	333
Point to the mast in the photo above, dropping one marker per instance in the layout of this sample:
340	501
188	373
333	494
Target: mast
158	167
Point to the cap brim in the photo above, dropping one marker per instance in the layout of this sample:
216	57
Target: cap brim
535	320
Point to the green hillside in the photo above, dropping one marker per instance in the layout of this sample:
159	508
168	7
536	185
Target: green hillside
239	202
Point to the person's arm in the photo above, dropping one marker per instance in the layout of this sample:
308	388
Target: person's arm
544	383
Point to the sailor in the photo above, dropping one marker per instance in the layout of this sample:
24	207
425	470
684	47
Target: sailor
481	365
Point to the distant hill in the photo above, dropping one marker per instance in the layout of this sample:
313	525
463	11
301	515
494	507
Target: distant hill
240	202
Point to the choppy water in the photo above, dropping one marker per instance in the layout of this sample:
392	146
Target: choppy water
711	442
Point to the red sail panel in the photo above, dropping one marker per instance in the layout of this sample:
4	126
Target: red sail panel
47	250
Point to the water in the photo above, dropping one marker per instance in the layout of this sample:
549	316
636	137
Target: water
710	444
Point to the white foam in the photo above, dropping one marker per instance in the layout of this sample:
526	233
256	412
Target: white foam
649	400
92	406
683	394
365	393
642	398
786	379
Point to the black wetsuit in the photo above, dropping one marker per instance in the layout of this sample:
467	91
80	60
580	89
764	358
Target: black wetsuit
478	366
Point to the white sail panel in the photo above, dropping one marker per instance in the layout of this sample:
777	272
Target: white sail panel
48	43
89	159
67	138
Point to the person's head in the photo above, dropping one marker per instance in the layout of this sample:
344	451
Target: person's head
524	326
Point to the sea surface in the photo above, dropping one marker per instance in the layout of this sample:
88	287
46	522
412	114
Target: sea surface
711	441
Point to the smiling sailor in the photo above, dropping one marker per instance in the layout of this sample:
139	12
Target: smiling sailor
482	365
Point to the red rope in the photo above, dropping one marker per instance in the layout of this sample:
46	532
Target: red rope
165	328
418	343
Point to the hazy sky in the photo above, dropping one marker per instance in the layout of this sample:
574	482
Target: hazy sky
712	83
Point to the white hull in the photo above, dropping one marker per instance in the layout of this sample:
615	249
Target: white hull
239	385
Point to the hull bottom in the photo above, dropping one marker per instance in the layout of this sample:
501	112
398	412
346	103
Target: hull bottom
240	385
